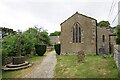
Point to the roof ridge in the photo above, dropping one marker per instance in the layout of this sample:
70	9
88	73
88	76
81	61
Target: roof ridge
78	14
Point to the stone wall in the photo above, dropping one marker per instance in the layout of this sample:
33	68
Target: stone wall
100	33
88	35
117	56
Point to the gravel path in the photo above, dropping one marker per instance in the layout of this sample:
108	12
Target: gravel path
45	69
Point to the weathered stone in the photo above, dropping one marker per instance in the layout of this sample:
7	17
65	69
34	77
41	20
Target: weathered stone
117	57
100	33
88	36
102	52
5	68
81	56
18	60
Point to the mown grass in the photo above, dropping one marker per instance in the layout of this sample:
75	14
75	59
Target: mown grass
20	73
93	67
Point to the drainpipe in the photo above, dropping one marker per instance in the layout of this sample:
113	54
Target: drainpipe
96	40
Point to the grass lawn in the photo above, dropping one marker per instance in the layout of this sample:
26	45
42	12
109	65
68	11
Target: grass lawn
21	73
93	67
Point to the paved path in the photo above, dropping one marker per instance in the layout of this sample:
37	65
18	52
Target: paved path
46	68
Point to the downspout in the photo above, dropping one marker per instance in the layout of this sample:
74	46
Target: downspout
96	40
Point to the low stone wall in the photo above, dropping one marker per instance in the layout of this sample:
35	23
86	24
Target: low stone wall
117	55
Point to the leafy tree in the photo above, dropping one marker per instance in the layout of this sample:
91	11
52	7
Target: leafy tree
4	55
28	40
104	24
9	44
118	35
31	37
56	33
44	38
6	31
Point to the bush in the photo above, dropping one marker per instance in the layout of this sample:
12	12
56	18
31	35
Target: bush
4	56
118	35
9	45
29	39
57	48
27	43
118	74
40	49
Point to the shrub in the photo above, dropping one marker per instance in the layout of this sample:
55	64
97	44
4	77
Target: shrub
28	40
57	48
27	43
118	35
4	56
9	45
40	49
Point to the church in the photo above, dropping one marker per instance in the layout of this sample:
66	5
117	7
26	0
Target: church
80	32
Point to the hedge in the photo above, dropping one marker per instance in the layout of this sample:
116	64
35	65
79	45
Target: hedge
57	48
40	49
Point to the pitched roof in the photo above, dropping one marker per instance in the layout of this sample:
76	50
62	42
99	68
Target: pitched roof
78	14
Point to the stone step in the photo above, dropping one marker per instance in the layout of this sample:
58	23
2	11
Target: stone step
15	66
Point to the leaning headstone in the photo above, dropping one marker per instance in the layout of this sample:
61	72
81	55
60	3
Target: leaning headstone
81	56
111	50
102	52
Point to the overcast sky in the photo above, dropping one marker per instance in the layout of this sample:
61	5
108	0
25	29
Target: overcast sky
22	14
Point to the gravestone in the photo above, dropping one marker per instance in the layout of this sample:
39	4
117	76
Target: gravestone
81	56
112	50
102	52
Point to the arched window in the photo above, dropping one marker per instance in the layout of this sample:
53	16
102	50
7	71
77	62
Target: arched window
103	38
73	35
79	34
76	33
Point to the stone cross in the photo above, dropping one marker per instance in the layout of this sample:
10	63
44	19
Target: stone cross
19	44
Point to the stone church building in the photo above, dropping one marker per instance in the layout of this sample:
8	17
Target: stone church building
80	32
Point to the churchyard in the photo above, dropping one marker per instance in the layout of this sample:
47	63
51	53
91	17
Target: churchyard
30	54
68	67
92	67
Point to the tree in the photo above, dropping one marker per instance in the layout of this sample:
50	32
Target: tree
118	35
9	44
6	31
28	40
44	38
31	37
104	24
56	33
